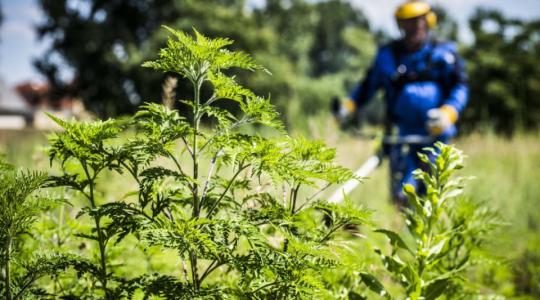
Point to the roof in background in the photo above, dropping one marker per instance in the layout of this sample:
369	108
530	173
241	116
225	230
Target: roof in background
10	101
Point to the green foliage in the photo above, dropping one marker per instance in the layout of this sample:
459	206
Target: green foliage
301	41
196	59
446	232
20	209
447	27
315	49
240	214
227	203
507	93
510	269
85	146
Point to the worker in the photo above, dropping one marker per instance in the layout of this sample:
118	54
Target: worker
425	90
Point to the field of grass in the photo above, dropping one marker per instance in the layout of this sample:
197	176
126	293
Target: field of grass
505	171
506	179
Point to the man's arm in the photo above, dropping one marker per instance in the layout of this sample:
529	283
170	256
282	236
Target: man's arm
344	110
365	90
442	118
459	89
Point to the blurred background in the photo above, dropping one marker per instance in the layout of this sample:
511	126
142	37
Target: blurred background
60	54
81	58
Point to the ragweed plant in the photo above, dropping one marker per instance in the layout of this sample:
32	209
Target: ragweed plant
84	154
241	211
446	232
20	206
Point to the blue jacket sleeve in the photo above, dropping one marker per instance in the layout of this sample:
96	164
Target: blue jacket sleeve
458	97
458	94
365	90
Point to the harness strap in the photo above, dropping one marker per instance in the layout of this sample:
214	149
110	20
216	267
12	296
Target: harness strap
402	77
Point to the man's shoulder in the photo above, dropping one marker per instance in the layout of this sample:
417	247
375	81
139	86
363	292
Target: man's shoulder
388	48
439	45
444	46
390	45
444	52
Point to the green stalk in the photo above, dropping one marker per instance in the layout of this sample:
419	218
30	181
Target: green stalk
430	224
102	256
101	242
196	209
59	244
194	149
241	167
194	273
7	279
294	197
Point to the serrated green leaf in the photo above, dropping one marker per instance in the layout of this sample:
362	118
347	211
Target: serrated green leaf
436	288
395	239
374	284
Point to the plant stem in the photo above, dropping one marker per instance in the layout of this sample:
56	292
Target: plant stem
240	169
7	269
194	273
187	145
196	204
329	233
212	267
308	200
176	163
28	280
101	239
264	286
208	178
195	159
294	196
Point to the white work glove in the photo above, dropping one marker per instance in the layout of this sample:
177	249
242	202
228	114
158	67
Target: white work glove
440	119
343	110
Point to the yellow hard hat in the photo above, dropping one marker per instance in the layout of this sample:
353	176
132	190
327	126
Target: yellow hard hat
413	9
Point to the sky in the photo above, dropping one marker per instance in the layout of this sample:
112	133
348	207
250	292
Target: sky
19	44
381	17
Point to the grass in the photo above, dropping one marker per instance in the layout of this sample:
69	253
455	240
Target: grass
506	172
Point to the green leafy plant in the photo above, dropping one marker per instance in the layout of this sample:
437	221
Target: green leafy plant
240	214
241	211
84	154
446	231
20	208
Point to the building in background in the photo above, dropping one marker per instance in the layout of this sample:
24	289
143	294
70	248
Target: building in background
24	107
15	112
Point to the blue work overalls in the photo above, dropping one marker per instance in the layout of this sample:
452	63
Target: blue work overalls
413	82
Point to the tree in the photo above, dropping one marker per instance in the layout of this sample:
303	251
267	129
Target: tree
95	39
505	90
331	52
322	46
104	43
447	27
